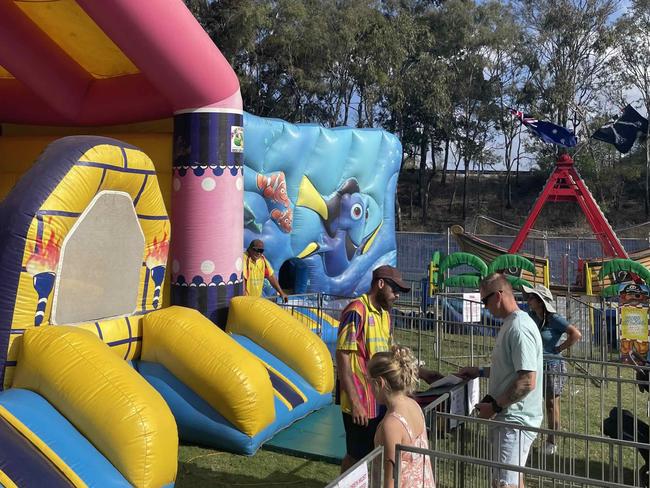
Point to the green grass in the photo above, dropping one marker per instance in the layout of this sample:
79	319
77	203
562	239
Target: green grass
201	467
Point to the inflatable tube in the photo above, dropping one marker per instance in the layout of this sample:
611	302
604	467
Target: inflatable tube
108	62
616	265
320	323
507	261
202	356
459	258
105	399
199	422
275	330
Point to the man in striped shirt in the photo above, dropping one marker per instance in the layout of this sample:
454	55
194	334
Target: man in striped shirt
364	330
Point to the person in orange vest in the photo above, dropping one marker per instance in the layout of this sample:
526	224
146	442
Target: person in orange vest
256	269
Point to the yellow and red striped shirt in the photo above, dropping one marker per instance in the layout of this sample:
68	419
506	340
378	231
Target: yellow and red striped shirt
363	331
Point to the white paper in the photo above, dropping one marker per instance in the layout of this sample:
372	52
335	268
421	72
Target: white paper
471	307
356	479
456	405
473	394
449	380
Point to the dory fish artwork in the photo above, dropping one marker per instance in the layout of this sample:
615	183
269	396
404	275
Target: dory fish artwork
344	219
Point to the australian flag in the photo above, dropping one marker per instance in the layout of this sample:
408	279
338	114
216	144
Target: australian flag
546	131
623	131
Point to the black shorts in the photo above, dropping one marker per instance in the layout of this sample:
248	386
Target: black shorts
360	440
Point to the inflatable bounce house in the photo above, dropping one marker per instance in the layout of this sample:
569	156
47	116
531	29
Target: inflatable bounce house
99	375
323	202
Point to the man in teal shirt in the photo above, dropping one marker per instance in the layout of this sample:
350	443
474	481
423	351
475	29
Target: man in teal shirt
516	374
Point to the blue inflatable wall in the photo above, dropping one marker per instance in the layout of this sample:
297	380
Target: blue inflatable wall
322	200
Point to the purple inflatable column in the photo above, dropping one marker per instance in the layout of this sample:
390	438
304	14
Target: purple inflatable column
207	210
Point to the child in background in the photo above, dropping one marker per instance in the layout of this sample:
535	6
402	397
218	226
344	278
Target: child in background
394	374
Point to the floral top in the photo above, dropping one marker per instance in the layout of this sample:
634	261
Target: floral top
415	469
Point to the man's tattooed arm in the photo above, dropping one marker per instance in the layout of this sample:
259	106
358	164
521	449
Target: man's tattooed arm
520	387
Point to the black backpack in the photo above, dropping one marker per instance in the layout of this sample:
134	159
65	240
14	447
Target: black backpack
610	429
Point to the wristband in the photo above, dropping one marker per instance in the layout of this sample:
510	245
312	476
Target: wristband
496	407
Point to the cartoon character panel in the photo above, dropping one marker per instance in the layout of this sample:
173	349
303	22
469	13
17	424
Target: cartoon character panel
322	200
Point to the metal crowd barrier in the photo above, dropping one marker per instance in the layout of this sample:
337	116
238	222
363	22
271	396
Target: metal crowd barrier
440	335
455	470
592	387
368	472
594	392
584	460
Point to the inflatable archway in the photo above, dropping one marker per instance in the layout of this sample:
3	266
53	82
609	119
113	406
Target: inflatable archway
82	179
85	237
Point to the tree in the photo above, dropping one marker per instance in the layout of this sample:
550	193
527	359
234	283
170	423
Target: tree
633	39
508	72
466	30
571	44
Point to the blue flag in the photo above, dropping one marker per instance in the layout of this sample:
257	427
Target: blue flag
623	131
546	131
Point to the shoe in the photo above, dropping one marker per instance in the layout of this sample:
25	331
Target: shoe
549	448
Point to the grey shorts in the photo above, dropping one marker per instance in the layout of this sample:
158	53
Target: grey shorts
509	446
555	376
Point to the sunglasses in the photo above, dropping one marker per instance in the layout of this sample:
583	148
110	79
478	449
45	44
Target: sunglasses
393	286
259	250
487	297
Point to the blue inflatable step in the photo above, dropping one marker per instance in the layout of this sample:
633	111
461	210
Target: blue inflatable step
23	464
54	430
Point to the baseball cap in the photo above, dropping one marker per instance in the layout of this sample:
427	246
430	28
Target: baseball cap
389	273
543	293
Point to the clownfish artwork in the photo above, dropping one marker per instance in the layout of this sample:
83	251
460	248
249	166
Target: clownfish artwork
283	219
274	188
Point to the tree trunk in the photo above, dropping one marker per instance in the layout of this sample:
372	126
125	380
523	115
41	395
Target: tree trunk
479	173
647	174
453	184
518	158
508	185
348	102
508	189
443	179
433	157
465	178
422	174
360	109
426	199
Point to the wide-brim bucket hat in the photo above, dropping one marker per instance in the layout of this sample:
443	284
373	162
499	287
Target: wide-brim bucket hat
543	293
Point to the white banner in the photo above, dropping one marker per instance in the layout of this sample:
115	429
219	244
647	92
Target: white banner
356	479
471	307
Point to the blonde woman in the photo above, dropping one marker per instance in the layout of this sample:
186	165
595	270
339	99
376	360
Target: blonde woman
394	374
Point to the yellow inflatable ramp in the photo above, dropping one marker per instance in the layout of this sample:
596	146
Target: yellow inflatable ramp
235	390
111	411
